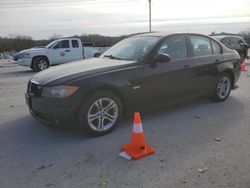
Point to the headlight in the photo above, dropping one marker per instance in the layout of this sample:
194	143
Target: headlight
24	55
58	91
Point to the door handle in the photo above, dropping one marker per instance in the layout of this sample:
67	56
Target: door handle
217	60
67	50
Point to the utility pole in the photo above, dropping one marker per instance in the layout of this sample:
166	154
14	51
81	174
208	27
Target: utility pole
149	1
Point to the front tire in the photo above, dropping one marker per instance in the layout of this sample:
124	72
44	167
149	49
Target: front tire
223	88
100	113
41	64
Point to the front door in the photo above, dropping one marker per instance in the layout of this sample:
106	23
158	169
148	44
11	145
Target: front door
169	82
60	52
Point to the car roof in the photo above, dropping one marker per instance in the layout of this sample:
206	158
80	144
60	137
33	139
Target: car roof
225	36
155	34
165	34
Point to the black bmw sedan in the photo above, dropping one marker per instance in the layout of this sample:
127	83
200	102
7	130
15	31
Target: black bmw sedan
140	72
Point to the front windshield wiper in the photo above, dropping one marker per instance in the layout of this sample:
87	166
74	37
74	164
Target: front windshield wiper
113	57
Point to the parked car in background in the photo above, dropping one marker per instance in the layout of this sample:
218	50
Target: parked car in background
16	56
234	42
57	52
138	73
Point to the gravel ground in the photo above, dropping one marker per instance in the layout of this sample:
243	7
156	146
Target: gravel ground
33	155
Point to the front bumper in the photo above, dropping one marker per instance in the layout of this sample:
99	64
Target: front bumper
25	61
54	112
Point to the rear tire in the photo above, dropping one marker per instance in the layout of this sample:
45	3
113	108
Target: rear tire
100	113
223	88
40	64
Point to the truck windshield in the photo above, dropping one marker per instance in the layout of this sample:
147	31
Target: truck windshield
51	44
132	49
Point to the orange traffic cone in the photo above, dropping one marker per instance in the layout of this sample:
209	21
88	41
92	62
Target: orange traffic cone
137	148
243	66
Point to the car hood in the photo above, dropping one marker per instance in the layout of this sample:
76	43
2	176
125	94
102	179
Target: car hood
34	50
70	71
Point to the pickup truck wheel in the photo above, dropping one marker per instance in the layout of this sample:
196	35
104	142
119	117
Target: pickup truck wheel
41	64
100	113
223	88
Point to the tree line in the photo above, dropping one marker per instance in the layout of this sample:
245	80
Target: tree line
21	42
17	43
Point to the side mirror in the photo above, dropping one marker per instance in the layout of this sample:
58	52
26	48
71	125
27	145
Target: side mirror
97	54
162	58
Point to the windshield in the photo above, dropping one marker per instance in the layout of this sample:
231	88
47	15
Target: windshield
132	49
51	44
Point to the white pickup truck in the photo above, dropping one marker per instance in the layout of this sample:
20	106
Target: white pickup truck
57	52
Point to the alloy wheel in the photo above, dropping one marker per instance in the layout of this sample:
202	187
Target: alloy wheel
223	87
42	64
102	114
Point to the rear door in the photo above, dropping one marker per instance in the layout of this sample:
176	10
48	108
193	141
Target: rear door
76	52
206	55
171	81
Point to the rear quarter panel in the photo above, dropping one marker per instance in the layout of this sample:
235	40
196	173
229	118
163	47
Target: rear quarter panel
231	64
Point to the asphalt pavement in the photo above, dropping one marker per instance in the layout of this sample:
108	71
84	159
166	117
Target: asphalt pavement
198	144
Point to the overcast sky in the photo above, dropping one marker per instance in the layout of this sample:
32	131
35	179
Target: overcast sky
43	18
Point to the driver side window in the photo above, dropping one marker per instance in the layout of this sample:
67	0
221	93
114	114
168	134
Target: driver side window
62	44
176	47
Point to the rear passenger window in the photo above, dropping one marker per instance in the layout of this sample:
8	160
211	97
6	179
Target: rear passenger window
200	46
176	47
225	41
75	44
233	40
216	47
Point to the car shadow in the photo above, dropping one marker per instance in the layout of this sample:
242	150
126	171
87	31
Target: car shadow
178	130
188	125
179	116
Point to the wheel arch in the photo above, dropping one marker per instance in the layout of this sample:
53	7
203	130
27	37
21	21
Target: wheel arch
230	72
39	56
108	88
82	124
